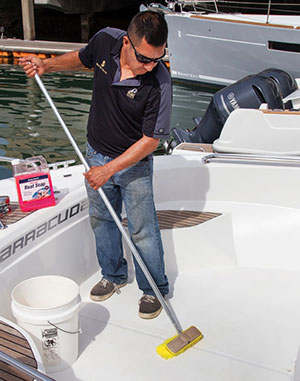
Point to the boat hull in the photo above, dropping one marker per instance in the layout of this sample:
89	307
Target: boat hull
221	51
235	276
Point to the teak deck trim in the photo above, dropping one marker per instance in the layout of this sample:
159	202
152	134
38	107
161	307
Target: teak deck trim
173	219
199	147
246	22
14	344
282	112
15	215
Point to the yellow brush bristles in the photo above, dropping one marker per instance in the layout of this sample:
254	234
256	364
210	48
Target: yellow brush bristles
182	343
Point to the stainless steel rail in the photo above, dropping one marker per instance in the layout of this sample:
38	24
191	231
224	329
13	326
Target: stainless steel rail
55	165
216	7
269	11
58	164
2	225
194	3
8	159
253	159
24	368
232	6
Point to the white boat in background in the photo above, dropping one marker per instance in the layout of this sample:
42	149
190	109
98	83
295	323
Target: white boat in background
221	48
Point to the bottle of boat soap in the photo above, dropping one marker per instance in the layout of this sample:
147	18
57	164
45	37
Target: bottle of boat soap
34	185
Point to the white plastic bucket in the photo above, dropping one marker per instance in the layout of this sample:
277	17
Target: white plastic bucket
47	307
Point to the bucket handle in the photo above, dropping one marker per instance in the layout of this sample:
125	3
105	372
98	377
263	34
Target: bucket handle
63	330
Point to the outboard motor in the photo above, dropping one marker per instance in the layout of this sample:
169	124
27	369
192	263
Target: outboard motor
287	84
269	86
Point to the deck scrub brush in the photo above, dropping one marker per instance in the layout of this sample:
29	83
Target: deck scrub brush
184	339
176	345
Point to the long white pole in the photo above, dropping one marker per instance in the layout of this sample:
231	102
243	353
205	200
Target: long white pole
112	212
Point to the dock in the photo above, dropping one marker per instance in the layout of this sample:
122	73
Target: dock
12	49
15	48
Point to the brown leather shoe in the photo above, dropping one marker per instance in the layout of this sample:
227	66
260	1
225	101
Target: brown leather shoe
104	290
150	307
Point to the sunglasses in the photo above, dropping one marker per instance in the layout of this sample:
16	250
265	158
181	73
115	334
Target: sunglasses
143	59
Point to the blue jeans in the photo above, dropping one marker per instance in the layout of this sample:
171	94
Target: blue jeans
133	186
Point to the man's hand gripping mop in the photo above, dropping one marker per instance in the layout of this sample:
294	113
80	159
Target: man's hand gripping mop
184	339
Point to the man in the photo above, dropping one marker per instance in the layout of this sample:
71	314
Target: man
130	111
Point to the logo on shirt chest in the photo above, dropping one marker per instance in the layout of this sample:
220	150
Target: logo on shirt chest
132	93
101	66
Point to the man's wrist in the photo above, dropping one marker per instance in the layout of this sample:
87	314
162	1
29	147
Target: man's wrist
110	168
47	65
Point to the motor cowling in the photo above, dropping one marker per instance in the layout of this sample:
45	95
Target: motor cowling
287	84
268	86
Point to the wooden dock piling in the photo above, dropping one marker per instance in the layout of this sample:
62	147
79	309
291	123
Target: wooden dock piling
28	19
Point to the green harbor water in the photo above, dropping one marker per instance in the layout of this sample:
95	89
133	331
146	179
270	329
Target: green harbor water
28	126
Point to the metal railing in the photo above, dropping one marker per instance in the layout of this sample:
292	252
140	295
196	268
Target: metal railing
263	7
24	368
64	164
56	165
8	159
259	6
268	12
252	159
195	3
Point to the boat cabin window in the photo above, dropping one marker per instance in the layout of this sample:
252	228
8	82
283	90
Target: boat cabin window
284	46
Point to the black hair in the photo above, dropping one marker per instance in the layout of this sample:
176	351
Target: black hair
150	25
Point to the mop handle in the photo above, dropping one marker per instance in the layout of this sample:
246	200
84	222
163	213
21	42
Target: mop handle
112	211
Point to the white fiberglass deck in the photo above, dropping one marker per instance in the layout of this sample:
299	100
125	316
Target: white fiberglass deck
241	313
235	277
247	310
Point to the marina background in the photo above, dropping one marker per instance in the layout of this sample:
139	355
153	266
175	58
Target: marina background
28	126
79	20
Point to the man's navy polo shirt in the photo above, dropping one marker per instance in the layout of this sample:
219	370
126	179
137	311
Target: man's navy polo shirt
122	112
